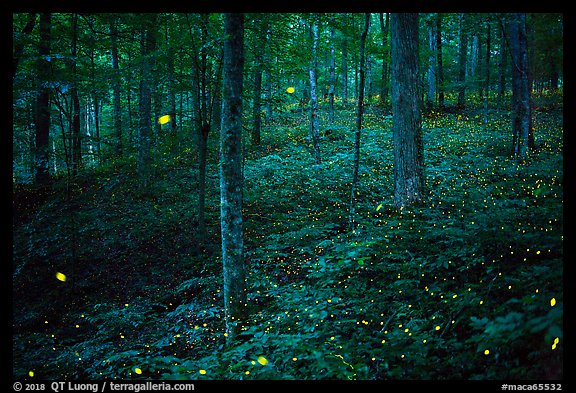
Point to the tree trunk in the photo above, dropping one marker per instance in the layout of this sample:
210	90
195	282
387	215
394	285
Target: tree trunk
520	87
42	174
502	65
202	152
332	68
314	123
75	123
474	60
487	75
463	49
258	69
231	177
384	27
407	122
431	92
172	98
145	103
344	69
440	81
117	111
203	113
359	121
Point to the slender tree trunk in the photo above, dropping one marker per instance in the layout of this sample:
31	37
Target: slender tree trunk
407	121
384	27
231	178
204	124
75	124
431	92
463	49
359	115
314	123
520	86
474	60
332	69
440	81
172	98
42	160
203	152
145	104
487	75
258	69
502	65
129	107
268	94
117	109
344	69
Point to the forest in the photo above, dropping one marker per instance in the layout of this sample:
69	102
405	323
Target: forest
287	196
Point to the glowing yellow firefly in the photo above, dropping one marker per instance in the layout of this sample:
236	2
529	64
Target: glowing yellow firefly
164	119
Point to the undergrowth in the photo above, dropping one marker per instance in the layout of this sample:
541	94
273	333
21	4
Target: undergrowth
467	285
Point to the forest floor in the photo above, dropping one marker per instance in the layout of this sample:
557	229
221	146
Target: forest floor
468	285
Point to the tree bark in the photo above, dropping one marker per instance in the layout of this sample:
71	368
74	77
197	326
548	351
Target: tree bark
487	75
360	112
385	27
502	65
145	103
407	122
431	92
440	81
231	177
75	123
521	112
463	50
314	122
332	70
344	67
42	174
258	70
117	111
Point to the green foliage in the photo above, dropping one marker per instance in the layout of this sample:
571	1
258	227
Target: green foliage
467	285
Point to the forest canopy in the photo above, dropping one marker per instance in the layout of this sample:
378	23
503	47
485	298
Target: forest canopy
349	196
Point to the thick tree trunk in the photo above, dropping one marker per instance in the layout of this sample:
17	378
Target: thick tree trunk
231	177
407	122
42	174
